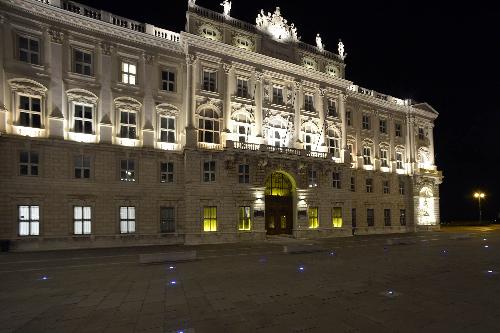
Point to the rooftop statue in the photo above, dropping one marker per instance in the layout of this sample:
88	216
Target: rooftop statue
342	53
319	43
191	3
276	26
227	7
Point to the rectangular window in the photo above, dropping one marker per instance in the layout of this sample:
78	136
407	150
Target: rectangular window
399	160
209	80
82	220
369	185
167	172
336	180
367	156
421	133
244	174
337	217
168	81
209	219
313	217
383	126
278	95
82	120
244	219
332	108
333	144
82	62
398	130
387	217
370	217
127	170
242	88
401	188
127	220
353	217
312	178
208	127
128	125
384	162
353	184
28	163
29	50
167	129
402	217
366	122
82	167
29	220
209	171
167	220
309	102
30	111
387	189
129	73
350	148
348	116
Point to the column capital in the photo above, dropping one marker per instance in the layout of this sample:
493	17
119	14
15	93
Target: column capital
322	92
56	36
227	68
259	76
298	85
148	58
106	48
191	59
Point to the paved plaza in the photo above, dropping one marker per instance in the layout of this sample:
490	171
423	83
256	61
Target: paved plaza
426	282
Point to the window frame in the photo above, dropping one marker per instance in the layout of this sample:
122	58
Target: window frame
244	220
399	160
278	95
215	130
336	180
353	184
386	187
128	174
33	223
313	217
398	130
130	128
209	83
125	72
30	166
210	220
130	222
369	185
384	160
383	126
167	174
209	174
312	178
167	130
336	217
83	119
365	122
29	52
332	108
244	174
30	112
309	102
82	63
402	217
370	217
82	220
82	168
171	85
242	90
367	155
387	217
169	221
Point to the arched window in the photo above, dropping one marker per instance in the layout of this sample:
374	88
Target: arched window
333	143
208	127
242	127
278	184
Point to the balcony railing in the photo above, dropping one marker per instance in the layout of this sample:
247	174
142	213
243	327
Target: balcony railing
276	150
383	97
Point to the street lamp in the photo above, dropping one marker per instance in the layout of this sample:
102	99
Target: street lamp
479	196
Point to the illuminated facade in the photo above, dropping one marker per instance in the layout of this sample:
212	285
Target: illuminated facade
116	132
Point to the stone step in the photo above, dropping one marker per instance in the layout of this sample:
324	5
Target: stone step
158	258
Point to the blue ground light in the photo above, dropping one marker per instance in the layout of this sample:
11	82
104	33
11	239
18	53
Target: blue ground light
301	268
173	283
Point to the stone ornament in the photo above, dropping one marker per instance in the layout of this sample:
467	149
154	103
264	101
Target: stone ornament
148	58
56	36
191	3
81	96
276	26
341	49
128	104
319	43
227	7
28	87
106	49
190	59
227	68
167	110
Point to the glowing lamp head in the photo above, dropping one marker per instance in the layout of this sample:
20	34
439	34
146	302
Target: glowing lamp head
479	195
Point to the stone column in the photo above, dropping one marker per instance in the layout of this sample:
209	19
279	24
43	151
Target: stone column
105	114
376	139
320	97
57	111
259	77
410	142
3	83
148	106
298	103
342	112
431	145
228	70
191	138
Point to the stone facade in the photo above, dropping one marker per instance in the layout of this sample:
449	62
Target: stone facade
100	113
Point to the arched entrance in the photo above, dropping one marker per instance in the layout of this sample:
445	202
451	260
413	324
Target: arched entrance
279	204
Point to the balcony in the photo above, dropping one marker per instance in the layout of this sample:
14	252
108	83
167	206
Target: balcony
286	151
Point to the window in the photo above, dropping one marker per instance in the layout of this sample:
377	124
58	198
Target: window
402	217
398	130
350	148
387	217
29	50
167	129
336	180
332	108
386	187
243	126
313	217
82	62
337	217
421	133
82	167
244	174
366	122
399	160
333	143
242	88
82	220
370	217
167	172
367	156
401	188
30	111
278	95
312	178
209	171
128	124
28	163
209	80
383	126
127	220
127	170
167	220
353	217
82	120
129	73
29	220
208	127
168	81
369	185
308	140
348	116
353	184
383	158
209	219
244	219
309	102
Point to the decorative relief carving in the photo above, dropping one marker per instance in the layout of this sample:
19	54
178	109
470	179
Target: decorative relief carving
259	76
81	96
56	36
28	87
322	92
276	26
128	104
227	68
106	48
167	110
148	58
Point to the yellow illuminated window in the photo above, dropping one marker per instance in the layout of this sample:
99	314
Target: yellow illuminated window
209	219
313	218
337	217
278	185
245	220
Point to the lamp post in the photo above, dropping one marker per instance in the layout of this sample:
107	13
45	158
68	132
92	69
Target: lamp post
479	196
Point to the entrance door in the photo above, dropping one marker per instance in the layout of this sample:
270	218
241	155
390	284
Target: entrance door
279	204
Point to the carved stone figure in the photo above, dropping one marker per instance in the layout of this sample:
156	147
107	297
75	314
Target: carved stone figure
276	26
342	53
319	43
191	3
227	7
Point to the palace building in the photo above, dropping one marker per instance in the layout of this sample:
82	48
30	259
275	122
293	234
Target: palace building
119	133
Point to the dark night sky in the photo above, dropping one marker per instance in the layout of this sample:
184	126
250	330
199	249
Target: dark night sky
446	55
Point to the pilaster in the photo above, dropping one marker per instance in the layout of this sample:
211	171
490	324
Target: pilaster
191	138
297	143
259	77
148	137
229	85
342	112
3	92
56	110
105	110
320	102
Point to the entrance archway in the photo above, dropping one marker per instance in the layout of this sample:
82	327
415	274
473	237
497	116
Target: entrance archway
279	204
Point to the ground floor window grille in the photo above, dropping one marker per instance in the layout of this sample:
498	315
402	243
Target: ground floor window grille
82	217
370	217
337	217
313	218
167	220
402	217
127	220
244	219
29	220
387	217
